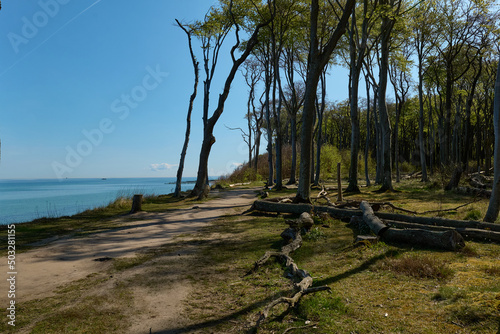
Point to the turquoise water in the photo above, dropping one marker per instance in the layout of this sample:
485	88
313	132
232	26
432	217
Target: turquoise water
26	200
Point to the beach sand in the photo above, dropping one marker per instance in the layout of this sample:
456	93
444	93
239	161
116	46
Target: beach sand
59	262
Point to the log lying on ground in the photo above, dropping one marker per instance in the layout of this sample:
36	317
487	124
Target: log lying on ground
304	286
449	240
437	221
348	213
467	233
473	230
375	224
474	191
268	206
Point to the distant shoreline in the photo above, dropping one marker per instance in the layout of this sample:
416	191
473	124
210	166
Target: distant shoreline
27	200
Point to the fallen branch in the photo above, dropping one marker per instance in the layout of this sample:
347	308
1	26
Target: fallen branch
303	287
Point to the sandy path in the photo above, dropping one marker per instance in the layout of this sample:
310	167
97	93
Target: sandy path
42	270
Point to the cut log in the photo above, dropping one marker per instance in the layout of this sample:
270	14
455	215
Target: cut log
136	204
375	224
448	240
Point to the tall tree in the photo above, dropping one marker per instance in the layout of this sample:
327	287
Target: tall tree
200	187
357	50
317	61
196	68
494	206
389	11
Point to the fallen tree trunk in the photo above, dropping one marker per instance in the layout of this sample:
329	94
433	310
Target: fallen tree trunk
436	221
474	191
268	206
467	233
348	213
375	224
449	240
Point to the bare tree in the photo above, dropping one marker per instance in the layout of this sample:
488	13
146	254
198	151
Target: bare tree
180	169
200	187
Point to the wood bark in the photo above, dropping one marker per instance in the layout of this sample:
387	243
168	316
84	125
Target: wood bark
386	29
448	240
136	204
474	230
317	62
196	68
208	137
375	224
305	280
494	206
466	232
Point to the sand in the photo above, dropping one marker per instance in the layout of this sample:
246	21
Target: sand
61	261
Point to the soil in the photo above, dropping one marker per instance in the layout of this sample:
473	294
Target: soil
60	261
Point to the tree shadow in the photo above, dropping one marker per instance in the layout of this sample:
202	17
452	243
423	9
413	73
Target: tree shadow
364	266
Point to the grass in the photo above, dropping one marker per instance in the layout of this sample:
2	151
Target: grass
379	288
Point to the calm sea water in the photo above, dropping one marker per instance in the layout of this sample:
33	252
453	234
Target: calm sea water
26	200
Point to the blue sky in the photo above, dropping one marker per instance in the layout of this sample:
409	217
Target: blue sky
100	89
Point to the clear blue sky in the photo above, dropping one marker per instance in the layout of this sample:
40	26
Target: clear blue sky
100	89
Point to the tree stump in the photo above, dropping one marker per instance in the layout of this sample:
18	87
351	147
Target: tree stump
136	204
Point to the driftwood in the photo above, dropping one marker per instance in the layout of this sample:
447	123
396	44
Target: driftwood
449	240
304	286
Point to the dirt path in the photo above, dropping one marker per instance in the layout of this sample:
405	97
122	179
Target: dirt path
42	270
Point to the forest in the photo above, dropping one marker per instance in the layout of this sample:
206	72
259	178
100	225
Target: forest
427	70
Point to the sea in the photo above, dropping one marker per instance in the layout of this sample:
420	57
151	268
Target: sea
27	200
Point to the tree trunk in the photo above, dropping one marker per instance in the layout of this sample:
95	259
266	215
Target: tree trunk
319	139
136	204
353	101
375	224
368	134
387	24
494	206
180	170
316	64
293	135
208	138
270	179
421	145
